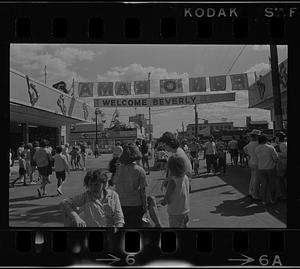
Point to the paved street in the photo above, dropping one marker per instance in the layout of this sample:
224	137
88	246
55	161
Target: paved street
216	201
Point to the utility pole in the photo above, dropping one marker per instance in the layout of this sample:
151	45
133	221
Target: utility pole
45	69
276	89
196	122
150	131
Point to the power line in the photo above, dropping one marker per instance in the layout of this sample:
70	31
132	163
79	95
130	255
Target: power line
236	60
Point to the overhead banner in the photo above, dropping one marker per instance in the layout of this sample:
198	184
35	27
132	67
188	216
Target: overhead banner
122	88
217	83
171	86
85	89
141	87
197	84
165	101
105	88
239	82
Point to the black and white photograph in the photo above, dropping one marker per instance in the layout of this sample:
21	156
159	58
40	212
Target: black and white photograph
148	136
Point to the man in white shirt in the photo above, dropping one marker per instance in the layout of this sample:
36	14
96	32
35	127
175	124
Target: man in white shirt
210	152
266	161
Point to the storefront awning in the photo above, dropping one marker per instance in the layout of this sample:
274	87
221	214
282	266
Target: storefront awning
35	116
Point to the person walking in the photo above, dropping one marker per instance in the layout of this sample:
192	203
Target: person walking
233	150
100	206
96	151
210	152
249	149
177	194
171	144
145	156
22	170
65	152
83	154
267	158
61	167
130	184
241	144
27	151
20	149
221	155
43	159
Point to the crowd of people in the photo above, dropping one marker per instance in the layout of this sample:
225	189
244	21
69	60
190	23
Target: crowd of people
121	200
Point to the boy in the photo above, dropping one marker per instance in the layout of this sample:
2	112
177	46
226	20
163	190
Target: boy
61	167
22	169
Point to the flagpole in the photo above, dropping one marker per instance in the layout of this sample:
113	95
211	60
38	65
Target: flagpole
150	132
45	73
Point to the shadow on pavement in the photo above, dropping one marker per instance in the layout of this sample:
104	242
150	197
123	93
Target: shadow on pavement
41	214
197	190
240	207
239	178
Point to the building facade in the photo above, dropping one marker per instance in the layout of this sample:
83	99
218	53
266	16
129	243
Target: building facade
261	93
39	111
213	127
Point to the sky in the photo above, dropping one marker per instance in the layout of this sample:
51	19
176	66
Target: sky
100	62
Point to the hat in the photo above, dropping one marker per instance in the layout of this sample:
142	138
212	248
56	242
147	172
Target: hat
255	132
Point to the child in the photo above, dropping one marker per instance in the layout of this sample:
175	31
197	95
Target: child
22	169
177	195
73	157
61	167
77	158
100	206
196	164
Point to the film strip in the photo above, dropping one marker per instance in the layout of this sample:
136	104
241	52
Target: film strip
154	23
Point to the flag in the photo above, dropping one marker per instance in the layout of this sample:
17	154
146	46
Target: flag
239	82
85	89
217	83
122	88
171	86
141	87
197	84
105	88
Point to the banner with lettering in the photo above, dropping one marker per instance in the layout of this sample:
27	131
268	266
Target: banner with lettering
197	84
141	87
105	88
122	88
85	89
239	82
217	83
171	86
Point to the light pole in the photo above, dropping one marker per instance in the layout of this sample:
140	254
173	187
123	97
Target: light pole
97	111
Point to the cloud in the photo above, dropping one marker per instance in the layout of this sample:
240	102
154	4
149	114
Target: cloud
32	59
267	47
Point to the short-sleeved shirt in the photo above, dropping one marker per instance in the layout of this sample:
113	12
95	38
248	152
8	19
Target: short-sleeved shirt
60	163
129	181
188	166
266	156
180	197
250	150
106	213
233	144
210	148
41	157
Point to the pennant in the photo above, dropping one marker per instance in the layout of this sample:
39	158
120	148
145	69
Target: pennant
122	88
85	89
105	88
32	91
239	82
197	84
141	87
171	86
217	83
